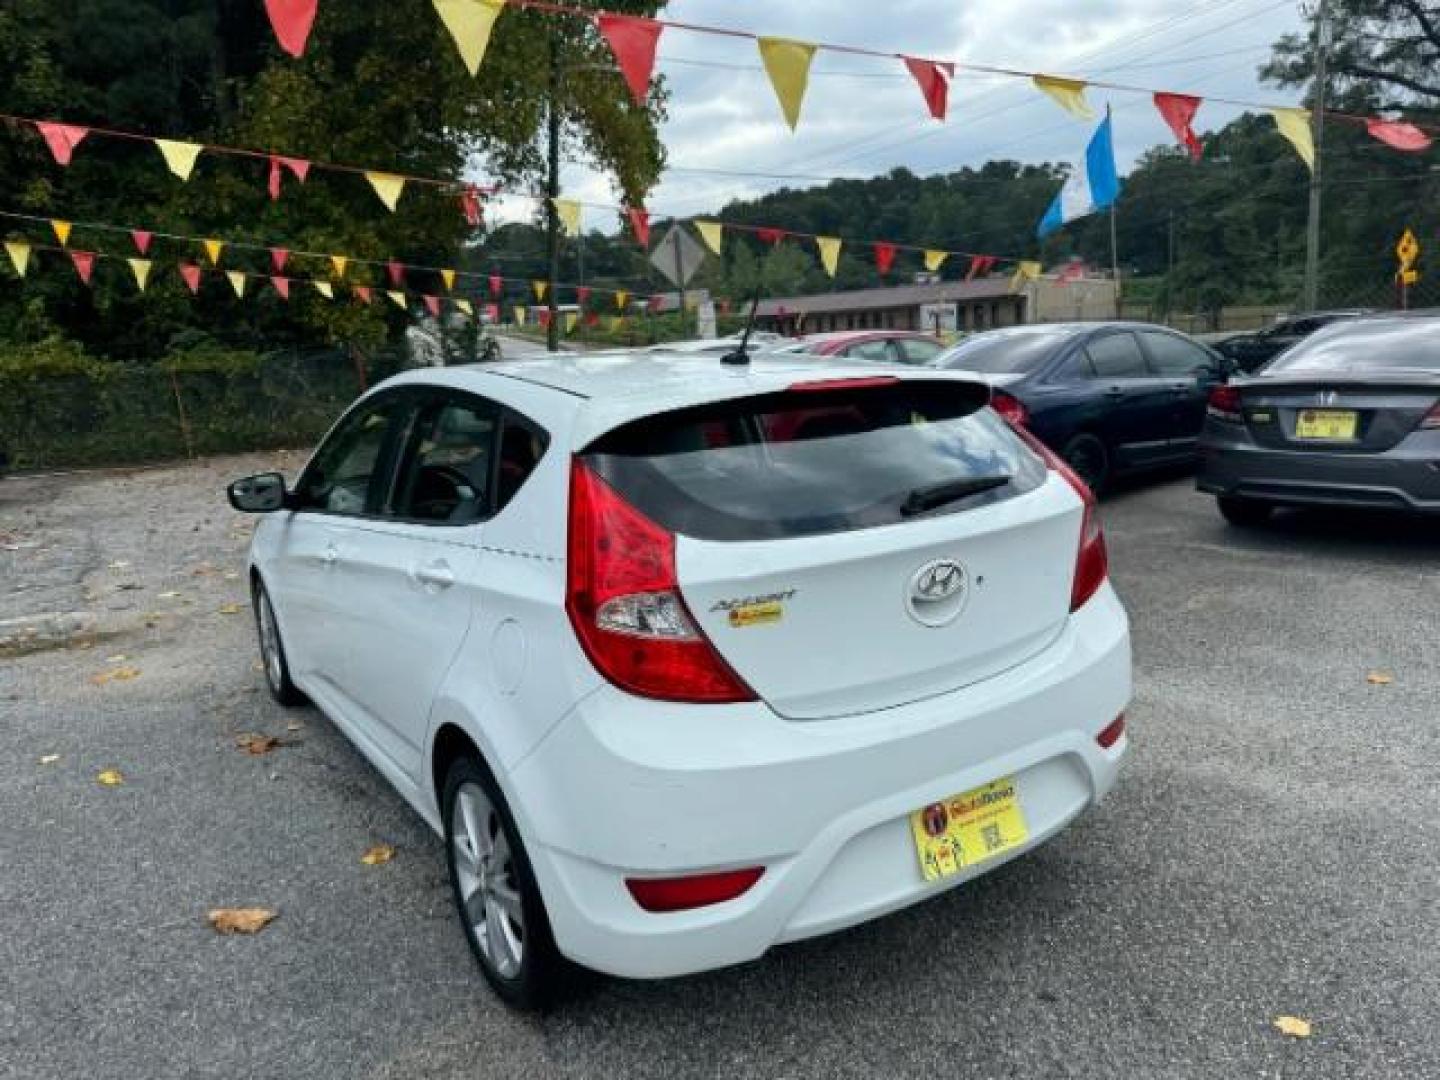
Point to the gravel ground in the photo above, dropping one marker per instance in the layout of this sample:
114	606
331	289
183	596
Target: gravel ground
1272	848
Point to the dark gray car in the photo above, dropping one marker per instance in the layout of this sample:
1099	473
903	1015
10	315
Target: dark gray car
1348	417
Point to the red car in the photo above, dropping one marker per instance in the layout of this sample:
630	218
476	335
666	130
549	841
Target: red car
897	346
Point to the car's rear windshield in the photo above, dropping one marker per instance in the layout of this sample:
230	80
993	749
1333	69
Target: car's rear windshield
1411	343
808	461
1004	352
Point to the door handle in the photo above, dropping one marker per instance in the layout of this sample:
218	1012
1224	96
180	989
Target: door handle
434	575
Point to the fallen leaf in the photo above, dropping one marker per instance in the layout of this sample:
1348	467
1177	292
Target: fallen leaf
118	658
229	609
380	853
1380	678
1292	1025
231	575
119	674
256	665
110	777
49	759
244	920
295	725
255	744
171	595
203	570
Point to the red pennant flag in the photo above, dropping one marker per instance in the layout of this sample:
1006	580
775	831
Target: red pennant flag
1073	271
1398	134
1178	111
279	256
291	21
432	304
640	225
544	314
770	236
470	205
655	303
582	294
884	257
492	312
142	240
298	166
496	284
592	318
282	286
980	265
934	79
84	264
191	275
363	292
633	41
62	139
397	273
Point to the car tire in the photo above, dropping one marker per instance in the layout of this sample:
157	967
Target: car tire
1087	456
496	895
1244	513
272	650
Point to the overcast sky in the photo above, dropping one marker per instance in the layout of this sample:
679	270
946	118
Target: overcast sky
863	116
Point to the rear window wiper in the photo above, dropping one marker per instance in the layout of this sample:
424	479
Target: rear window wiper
924	499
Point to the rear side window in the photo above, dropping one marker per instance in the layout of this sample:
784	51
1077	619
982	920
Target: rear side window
807	462
1116	356
447	476
918	350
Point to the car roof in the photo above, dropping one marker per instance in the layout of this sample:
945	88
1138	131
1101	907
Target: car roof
862	335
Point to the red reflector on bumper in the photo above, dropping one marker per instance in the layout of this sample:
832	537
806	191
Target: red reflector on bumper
698	890
1111	735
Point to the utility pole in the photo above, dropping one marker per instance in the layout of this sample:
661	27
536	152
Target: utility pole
679	281
1317	124
552	188
1114	246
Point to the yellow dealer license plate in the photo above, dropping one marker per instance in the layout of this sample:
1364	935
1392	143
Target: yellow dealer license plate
969	828
1325	424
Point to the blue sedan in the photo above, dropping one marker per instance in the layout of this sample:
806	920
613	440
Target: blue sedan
1110	398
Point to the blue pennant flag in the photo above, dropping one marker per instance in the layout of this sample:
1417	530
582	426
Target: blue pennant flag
1092	186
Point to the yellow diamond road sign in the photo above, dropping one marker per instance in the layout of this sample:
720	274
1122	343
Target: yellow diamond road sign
1407	249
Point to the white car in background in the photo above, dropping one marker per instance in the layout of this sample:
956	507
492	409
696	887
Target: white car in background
687	658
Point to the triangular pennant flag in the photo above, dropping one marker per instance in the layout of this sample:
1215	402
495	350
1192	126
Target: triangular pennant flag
539	287
464	305
363	292
388	186
617	323
180	156
298	166
291	21
19	253
432	305
544	316
770	236
84	264
142	240
492	313
61	138
282	286
325	289
398	299
582	294
470	205
470	23
190	274
787	63
571	318
397	273
448	277
655	303
62	230
1294	124
1069	94
495	284
519	313
338	263
592	318
1024	271
711	232
935	259
1398	134
639	225
568	213
621	299
829	253
141	269
884	257
979	264
237	282
632	40
213	249
1178	110
279	257
934	79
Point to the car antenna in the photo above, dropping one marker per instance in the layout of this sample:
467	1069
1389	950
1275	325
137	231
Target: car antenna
741	355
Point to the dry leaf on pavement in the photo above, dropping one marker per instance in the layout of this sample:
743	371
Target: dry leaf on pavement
295	725
119	674
110	777
49	759
229	609
245	920
1292	1025
1380	678
256	744
380	853
118	658
169	595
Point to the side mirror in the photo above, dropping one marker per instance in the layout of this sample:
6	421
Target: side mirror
258	494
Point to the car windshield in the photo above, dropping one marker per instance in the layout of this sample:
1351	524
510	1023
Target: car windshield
1004	352
1382	345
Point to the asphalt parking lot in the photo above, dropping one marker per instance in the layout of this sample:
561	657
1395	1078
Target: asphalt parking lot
1271	850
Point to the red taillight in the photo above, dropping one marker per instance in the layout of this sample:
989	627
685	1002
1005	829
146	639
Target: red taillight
698	890
1431	419
1010	408
844	384
1224	404
1111	733
1092	563
625	604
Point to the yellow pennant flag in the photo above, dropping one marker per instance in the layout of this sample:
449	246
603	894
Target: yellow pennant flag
568	211
448	277
464	305
213	249
1294	124
1025	271
398	299
19	252
180	156
621	298
617	323
935	259
539	287
325	289
62	230
1069	94
470	23
237	282
571	318
787	62
339	262
710	232
387	186
141	269
829	253
519	314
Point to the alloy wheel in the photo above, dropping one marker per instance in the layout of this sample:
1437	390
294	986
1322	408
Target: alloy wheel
487	879
270	645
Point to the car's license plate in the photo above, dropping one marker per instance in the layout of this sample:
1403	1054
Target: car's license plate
1326	424
968	828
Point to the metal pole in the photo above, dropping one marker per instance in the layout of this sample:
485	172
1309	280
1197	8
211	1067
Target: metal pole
679	280
1170	270
552	216
1115	263
1317	123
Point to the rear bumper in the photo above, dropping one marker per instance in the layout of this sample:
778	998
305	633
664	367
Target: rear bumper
625	787
1405	477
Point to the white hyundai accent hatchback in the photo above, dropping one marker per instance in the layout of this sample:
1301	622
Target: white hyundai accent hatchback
686	658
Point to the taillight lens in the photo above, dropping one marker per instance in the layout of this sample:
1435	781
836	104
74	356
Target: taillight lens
1111	732
1092	563
1224	404
1009	407
696	890
1431	419
625	604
